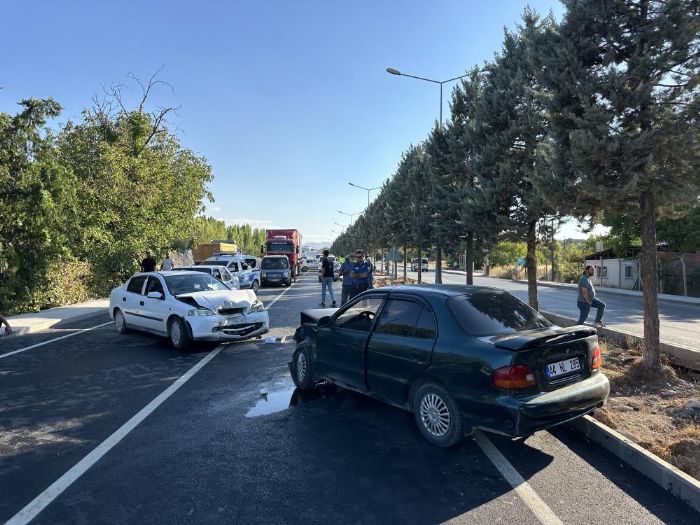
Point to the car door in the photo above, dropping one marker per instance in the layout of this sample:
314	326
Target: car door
154	311
340	345
400	347
131	298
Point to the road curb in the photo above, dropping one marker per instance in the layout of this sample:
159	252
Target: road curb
44	324
684	487
683	356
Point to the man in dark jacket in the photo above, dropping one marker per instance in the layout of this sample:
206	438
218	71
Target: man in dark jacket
149	263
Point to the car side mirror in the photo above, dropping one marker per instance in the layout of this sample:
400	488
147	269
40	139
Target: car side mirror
324	321
304	268
155	295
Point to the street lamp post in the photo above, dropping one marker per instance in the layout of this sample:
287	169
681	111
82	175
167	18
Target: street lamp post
366	189
396	72
351	215
392	71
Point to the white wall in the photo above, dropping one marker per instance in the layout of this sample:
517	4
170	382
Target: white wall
613	272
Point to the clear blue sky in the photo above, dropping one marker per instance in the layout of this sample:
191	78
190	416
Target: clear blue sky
288	100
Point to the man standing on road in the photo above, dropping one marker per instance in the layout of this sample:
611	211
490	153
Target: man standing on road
586	299
360	274
348	285
326	278
149	263
167	263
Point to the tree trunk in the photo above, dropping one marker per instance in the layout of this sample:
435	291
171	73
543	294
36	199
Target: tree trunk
532	265
469	258
438	264
405	254
419	265
650	283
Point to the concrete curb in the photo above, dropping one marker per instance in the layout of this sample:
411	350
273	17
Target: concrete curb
35	322
668	477
682	355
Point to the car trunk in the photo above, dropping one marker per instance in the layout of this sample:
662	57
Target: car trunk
557	356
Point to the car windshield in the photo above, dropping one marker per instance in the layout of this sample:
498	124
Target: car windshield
280	247
189	283
276	263
494	313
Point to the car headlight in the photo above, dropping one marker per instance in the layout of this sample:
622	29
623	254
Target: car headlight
286	273
263	274
199	312
257	306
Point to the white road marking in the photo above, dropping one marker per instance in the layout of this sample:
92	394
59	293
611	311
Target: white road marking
281	294
39	503
541	510
8	354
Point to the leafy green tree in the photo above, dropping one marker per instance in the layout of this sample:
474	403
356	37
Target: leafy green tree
622	77
506	253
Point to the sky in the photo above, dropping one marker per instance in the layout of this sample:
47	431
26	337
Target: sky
289	101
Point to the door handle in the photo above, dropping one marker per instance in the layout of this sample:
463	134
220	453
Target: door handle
141	303
124	299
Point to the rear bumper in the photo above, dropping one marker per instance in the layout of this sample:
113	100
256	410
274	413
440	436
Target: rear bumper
522	417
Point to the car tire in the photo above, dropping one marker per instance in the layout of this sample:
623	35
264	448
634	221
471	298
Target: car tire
120	322
255	286
437	415
302	371
179	334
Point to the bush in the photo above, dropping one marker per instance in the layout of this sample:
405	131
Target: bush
65	282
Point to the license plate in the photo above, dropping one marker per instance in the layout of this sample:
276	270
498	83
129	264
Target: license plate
561	368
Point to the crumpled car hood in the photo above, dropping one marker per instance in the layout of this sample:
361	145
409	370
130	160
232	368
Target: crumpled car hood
215	299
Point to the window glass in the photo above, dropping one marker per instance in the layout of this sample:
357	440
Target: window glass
136	284
360	315
493	313
399	318
628	272
425	328
217	274
191	283
154	285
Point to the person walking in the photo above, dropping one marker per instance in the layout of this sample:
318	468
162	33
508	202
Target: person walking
167	263
348	285
586	299
360	273
326	278
3	321
149	263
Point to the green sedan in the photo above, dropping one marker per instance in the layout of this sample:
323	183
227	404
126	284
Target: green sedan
459	358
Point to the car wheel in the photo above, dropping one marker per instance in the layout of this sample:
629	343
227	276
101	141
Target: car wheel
179	335
120	322
255	286
437	415
302	373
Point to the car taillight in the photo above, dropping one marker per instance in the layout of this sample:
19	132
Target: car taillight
514	376
597	360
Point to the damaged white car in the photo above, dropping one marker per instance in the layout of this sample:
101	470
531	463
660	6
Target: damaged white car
187	306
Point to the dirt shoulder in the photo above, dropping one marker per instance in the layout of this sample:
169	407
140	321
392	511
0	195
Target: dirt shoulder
660	412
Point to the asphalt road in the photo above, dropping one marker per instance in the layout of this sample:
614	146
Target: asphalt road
125	429
679	322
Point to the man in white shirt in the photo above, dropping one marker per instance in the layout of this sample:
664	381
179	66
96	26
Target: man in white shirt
167	263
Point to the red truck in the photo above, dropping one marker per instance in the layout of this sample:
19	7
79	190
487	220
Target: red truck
285	242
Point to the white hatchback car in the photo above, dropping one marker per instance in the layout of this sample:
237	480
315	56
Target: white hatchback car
187	306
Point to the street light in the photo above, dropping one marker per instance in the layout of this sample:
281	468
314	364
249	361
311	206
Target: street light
398	73
351	215
366	189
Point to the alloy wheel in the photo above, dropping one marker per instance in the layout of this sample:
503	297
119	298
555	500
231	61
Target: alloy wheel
435	415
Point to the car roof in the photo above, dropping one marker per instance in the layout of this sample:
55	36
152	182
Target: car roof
445	290
199	266
167	273
274	257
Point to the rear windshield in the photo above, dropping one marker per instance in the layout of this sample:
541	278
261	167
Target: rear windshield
494	313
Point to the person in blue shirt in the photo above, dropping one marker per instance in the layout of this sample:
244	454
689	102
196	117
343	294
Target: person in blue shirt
348	284
586	299
360	273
